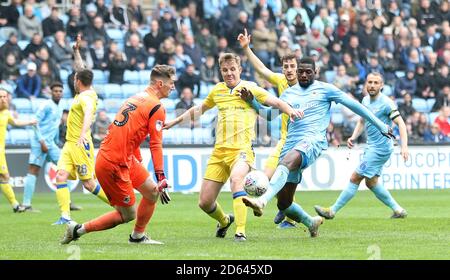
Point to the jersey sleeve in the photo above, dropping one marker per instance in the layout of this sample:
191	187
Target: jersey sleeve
40	115
391	109
10	118
276	79
260	94
157	116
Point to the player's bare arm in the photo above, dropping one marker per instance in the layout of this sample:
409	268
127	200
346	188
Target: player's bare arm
78	61
22	123
193	114
244	41
403	137
359	128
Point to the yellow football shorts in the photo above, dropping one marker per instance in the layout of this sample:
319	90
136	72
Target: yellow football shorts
273	159
3	165
222	160
77	160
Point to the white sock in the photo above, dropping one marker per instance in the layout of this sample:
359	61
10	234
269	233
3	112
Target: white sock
81	230
137	235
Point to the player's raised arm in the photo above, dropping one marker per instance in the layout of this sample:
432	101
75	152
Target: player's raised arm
192	114
21	123
263	111
339	96
284	107
244	41
78	61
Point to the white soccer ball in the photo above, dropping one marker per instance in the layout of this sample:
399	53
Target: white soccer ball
256	183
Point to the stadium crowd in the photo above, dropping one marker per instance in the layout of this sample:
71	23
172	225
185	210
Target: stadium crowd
406	41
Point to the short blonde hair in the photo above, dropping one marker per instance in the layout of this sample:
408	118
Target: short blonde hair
229	56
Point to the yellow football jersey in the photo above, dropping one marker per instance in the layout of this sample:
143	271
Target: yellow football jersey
236	118
5	119
280	81
76	115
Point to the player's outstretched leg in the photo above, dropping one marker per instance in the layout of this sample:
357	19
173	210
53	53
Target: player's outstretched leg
384	196
240	214
345	196
28	191
296	212
63	198
11	197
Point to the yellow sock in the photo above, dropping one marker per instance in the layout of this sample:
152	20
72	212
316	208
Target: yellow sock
63	198
9	193
98	191
218	215
240	214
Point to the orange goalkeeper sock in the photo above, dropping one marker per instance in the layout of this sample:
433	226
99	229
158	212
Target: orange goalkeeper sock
144	214
106	221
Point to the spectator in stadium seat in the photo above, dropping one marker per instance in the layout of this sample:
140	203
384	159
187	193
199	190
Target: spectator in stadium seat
186	19
11	46
15	9
34	46
62	51
43	56
209	71
442	99
434	135
442	120
100	127
99	55
29	24
386	41
193	51
344	81
298	26
47	78
183	31
103	11
166	50
97	31
334	138
186	102
406	108
118	16
117	66
444	38
241	24
77	22
229	15
427	13
374	65
135	12
354	49
29	84
222	47
63	128
264	42
133	29
154	38
207	41
52	23
368	37
189	79
423	82
297	10
389	65
407	84
136	54
168	25
3	16
181	60
9	69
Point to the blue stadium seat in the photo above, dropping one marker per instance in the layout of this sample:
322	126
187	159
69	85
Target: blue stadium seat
143	31
111	116
66	91
8	87
115	34
100	90
131	77
113	91
275	127
129	90
63	74
204	90
207	119
23	44
8	140
330	76
202	136
430	103
151	61
144	76
183	135
20	136
99	77
420	105
26	117
37	103
387	90
169	104
432	116
100	105
337	119
112	105
336	108
23	105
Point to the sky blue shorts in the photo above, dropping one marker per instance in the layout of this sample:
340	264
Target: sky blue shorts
37	157
372	162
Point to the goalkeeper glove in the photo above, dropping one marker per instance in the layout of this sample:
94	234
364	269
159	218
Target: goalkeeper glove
163	186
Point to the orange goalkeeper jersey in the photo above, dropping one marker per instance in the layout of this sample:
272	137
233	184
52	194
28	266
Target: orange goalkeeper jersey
139	116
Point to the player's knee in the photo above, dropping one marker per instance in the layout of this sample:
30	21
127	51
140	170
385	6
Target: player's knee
205	206
128	214
356	179
283	204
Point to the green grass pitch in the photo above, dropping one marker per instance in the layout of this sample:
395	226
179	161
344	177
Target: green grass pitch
362	230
